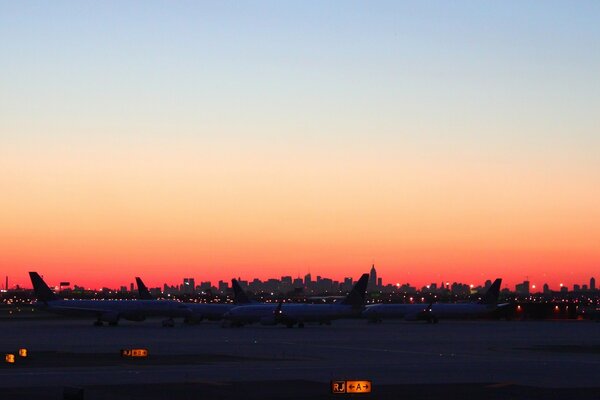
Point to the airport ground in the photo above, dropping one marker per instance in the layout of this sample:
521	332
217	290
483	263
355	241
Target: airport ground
409	360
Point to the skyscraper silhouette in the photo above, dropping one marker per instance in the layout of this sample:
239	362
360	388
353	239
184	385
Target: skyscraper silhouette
372	278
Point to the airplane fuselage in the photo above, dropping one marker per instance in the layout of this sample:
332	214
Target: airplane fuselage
289	313
423	311
113	310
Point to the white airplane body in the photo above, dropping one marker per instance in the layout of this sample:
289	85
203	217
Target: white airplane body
433	312
110	311
200	311
298	313
113	310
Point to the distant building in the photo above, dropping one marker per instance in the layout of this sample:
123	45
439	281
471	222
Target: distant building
298	283
286	280
460	288
592	283
406	288
285	284
189	285
576	288
522	288
324	285
307	280
546	288
372	278
347	284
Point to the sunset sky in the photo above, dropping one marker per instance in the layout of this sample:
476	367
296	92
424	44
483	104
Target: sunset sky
455	141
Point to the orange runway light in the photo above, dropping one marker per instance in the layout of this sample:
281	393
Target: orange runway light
9	358
23	353
338	387
134	353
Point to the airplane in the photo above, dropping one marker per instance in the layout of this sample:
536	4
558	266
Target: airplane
291	314
433	312
201	311
143	292
110	311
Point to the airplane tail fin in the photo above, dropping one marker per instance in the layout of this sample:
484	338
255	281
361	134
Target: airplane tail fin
492	294
240	297
143	292
42	291
356	297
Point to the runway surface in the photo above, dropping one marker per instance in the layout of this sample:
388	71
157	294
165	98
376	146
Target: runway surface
544	354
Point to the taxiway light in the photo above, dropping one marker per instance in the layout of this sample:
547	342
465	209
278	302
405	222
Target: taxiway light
9	358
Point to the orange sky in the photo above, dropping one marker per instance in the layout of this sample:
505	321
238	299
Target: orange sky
166	214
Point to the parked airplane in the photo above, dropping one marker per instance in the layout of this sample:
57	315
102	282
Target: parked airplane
290	314
433	312
143	292
110	311
201	311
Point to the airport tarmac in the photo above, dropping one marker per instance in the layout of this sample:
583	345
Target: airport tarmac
555	356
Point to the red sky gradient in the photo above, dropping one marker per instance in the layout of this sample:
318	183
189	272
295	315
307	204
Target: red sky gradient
97	225
418	267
